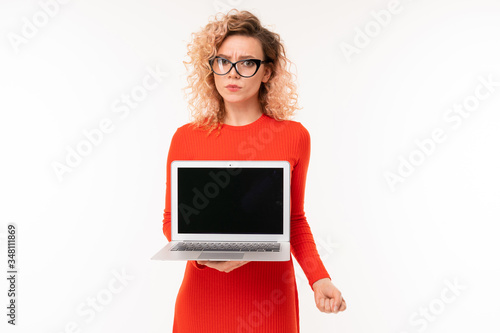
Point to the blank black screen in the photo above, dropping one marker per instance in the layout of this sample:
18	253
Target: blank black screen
230	200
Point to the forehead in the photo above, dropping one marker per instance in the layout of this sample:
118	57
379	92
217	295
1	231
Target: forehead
236	45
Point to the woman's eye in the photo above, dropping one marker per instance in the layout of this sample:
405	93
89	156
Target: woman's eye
248	63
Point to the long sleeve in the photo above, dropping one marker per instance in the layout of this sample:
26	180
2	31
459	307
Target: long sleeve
302	242
177	151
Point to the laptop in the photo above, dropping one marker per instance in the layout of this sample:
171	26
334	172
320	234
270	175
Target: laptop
229	210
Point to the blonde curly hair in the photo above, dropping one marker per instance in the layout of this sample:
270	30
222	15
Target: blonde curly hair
278	96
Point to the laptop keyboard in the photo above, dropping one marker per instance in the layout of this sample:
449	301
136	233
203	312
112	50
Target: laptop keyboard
227	247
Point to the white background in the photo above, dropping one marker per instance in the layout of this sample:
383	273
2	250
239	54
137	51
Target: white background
392	251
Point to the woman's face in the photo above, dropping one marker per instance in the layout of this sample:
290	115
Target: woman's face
236	48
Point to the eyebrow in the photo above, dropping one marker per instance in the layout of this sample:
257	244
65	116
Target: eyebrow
245	56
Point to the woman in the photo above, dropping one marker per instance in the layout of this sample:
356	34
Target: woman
242	97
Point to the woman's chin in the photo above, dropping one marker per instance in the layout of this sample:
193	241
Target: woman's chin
233	99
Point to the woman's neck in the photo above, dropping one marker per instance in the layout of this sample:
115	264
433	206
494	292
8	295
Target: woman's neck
240	114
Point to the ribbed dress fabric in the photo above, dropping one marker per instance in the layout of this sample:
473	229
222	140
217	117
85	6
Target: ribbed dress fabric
258	296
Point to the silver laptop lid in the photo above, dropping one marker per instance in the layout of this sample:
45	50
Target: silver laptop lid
230	200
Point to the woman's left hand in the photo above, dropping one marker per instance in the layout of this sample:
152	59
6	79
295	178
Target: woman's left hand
328	298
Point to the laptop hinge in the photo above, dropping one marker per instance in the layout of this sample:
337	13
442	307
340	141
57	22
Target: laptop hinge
219	241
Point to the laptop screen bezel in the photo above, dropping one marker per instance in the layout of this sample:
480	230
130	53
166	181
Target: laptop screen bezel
284	237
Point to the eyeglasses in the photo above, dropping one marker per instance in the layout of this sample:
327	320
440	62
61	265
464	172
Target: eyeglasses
245	67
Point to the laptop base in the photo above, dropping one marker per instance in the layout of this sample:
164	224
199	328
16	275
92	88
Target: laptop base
166	254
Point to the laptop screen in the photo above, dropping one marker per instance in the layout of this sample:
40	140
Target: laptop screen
227	200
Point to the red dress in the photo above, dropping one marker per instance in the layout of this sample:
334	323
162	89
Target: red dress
258	296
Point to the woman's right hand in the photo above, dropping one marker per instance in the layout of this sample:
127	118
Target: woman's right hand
223	266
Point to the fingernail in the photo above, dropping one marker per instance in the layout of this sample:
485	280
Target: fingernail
335	308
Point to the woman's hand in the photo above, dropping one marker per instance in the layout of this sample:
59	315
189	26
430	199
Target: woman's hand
328	298
223	266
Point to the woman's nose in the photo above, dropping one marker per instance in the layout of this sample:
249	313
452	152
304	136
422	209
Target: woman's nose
233	72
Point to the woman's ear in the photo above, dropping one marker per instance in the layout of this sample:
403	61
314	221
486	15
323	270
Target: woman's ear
267	74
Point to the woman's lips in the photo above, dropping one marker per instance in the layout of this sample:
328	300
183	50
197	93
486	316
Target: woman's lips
233	88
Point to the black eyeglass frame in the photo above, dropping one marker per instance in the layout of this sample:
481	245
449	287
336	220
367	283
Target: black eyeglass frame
258	62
